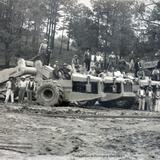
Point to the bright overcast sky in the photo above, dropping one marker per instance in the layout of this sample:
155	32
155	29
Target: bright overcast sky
86	2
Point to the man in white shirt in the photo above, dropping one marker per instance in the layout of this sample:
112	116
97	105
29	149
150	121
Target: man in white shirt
22	89
10	86
75	64
92	71
43	52
141	97
156	74
43	47
112	61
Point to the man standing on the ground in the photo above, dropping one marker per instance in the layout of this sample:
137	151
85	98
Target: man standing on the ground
141	97
22	89
10	86
149	98
87	59
30	89
157	99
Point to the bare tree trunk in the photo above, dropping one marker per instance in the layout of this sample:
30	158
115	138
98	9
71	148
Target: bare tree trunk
7	55
20	33
9	30
27	35
98	30
53	35
61	46
52	24
54	28
68	42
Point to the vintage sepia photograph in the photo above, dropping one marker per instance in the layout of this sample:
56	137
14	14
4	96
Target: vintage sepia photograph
79	79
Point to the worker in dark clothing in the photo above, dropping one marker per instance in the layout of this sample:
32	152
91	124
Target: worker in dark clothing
22	89
122	65
56	67
137	66
87	59
30	89
66	70
141	73
158	64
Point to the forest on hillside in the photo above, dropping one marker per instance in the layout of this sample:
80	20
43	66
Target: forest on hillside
122	26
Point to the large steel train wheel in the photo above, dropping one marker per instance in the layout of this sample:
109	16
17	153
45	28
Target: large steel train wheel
48	94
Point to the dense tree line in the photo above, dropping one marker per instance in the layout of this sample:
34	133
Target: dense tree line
109	25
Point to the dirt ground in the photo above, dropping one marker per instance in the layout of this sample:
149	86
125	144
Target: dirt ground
29	134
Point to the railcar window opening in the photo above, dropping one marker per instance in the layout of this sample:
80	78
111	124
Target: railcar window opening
78	86
112	88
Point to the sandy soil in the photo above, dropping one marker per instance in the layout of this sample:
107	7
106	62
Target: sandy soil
28	136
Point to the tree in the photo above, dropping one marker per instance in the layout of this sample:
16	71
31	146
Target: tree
82	28
21	25
148	28
69	9
7	28
114	21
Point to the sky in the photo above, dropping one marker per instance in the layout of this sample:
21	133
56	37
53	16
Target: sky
86	2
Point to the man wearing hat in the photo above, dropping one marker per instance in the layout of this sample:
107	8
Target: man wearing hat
30	89
10	86
43	52
56	70
22	89
137	66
